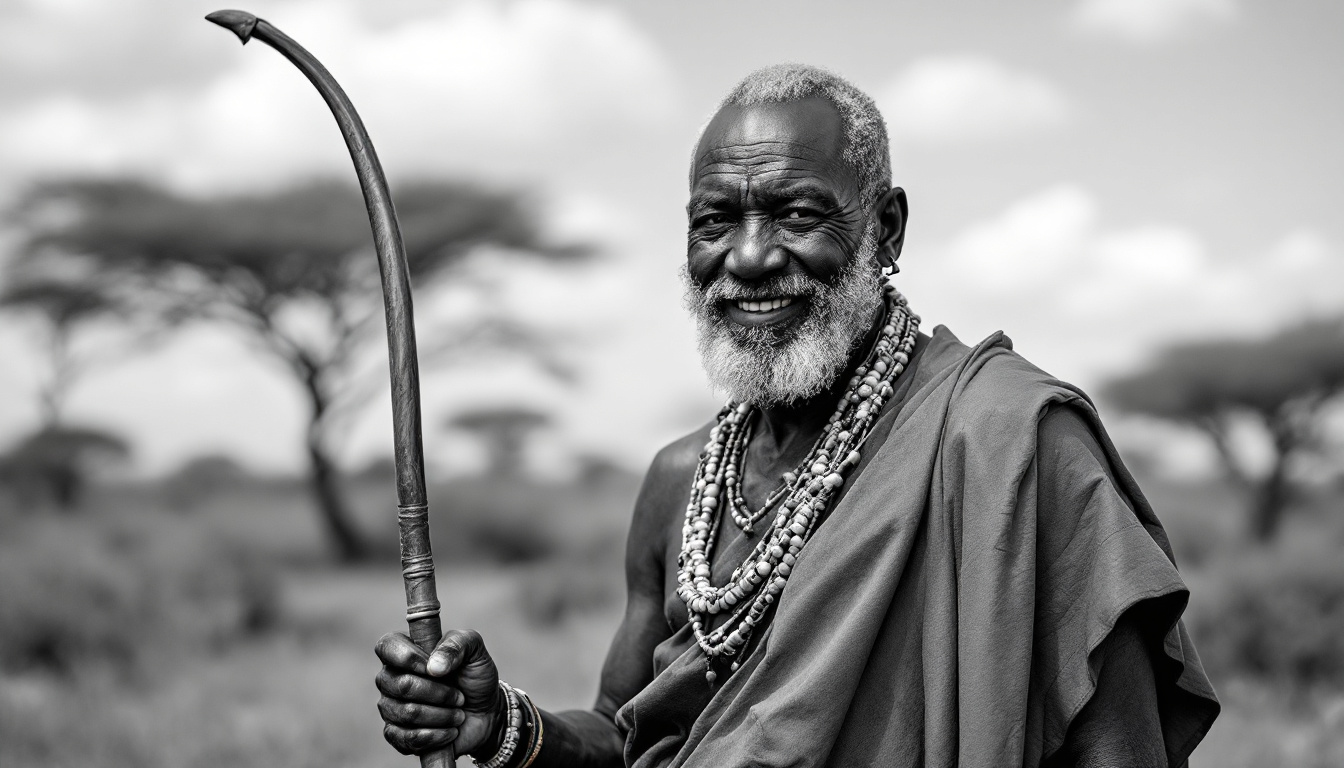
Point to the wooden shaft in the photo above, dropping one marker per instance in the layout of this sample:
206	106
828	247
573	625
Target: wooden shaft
417	561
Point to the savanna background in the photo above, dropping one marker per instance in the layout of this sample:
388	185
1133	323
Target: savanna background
197	544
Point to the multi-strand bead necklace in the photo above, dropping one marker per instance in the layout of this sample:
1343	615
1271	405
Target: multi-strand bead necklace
804	493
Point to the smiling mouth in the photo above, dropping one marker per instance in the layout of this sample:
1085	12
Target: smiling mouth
768	305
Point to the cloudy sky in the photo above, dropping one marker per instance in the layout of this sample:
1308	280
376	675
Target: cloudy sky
1094	177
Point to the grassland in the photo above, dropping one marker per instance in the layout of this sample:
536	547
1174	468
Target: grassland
148	629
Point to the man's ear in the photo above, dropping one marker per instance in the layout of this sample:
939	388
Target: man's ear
892	212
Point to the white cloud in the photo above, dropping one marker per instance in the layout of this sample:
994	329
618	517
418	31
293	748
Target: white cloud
98	49
968	97
1125	269
478	86
1083	299
1149	21
1038	234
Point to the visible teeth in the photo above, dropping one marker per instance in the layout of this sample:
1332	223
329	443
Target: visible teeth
763	306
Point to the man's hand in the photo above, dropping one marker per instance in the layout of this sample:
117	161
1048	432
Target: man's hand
451	697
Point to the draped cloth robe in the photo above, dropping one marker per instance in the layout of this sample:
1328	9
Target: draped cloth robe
943	614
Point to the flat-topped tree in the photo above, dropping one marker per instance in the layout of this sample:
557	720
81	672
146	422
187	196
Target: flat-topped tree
54	463
55	459
504	430
62	308
1283	382
291	268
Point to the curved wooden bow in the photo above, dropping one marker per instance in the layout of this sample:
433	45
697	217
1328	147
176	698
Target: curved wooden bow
417	561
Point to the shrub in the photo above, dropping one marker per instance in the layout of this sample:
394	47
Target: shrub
75	595
1281	619
487	520
200	478
509	542
54	464
552	593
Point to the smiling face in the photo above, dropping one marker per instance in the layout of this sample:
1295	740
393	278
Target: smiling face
780	270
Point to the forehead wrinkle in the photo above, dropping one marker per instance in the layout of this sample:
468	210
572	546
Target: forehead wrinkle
822	172
768	147
773	185
755	152
774	166
755	155
768	172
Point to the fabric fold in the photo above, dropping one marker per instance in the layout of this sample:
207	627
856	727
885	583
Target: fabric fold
946	611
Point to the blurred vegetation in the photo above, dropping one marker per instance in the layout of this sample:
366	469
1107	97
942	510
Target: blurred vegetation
1281	619
225	637
52	465
1283	383
140	636
124	595
1268	620
504	430
291	268
201	478
63	308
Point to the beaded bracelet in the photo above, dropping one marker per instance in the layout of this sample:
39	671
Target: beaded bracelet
534	748
510	743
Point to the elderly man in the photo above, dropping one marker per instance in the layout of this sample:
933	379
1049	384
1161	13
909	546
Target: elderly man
889	549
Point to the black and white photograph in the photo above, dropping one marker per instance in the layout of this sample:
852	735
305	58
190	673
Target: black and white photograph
598	384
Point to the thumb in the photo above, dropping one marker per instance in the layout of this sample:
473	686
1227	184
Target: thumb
457	648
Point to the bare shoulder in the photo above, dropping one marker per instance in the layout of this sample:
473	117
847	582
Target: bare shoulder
662	498
679	458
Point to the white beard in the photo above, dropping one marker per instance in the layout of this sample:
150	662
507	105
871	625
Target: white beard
766	367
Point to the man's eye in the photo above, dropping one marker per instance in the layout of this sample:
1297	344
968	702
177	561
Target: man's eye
712	219
797	213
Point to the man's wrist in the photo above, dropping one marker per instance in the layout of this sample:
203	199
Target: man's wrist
499	722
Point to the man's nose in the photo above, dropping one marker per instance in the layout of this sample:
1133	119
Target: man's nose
755	252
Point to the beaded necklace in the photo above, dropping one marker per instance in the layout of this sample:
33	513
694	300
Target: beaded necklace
805	494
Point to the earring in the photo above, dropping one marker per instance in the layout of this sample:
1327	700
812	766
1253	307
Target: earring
890	269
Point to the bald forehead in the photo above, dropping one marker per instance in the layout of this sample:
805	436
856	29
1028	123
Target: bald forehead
809	130
812	122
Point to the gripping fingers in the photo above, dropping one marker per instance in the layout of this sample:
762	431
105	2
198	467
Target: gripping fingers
456	648
417	689
416	741
408	715
396	650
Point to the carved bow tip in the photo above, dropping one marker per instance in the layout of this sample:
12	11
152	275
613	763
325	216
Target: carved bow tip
240	23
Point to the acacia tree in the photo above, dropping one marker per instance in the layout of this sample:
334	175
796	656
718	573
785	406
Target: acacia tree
54	463
62	308
293	269
1283	383
504	431
55	458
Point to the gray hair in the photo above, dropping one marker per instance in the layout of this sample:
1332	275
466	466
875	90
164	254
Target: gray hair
867	151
